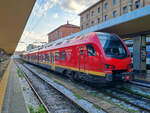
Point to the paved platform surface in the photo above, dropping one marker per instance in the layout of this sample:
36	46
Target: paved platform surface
3	67
14	100
143	77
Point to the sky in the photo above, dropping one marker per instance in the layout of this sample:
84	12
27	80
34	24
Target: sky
48	15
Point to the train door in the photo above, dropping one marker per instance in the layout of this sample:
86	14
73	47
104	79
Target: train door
81	59
93	58
53	61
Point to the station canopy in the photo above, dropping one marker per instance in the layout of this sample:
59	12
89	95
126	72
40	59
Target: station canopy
14	16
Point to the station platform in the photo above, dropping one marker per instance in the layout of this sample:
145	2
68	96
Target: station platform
11	95
3	66
143	77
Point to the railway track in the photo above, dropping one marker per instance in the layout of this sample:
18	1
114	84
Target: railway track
33	89
147	85
137	101
62	103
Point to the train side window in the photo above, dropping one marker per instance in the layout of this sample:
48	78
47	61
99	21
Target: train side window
57	55
40	57
46	57
49	58
90	50
43	58
63	55
81	50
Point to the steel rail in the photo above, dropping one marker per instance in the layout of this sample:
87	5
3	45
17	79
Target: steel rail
140	84
126	101
106	93
32	88
57	90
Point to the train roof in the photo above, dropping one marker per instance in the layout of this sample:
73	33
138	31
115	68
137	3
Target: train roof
65	42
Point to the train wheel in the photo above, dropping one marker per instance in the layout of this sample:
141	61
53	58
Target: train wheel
70	75
76	76
65	73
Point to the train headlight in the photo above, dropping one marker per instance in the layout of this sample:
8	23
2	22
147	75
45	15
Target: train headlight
130	66
107	66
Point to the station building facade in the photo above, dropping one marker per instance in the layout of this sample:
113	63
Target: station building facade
123	17
63	31
105	10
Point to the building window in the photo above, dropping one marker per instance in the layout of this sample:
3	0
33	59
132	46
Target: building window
114	2
63	55
106	17
81	19
60	34
92	22
106	5
57	55
81	26
114	13
99	20
99	10
92	14
137	4
87	16
87	25
57	33
125	9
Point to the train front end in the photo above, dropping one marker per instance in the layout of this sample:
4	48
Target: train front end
116	58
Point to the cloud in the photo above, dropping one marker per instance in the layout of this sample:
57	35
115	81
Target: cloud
76	21
55	16
76	6
41	9
71	7
31	38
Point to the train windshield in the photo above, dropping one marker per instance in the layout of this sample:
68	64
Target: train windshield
112	46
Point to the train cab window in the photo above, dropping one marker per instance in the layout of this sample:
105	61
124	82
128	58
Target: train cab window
112	45
90	50
57	55
63	55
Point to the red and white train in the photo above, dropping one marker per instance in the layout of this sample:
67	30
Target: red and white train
97	57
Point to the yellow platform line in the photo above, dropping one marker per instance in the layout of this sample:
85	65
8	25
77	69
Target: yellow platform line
3	85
